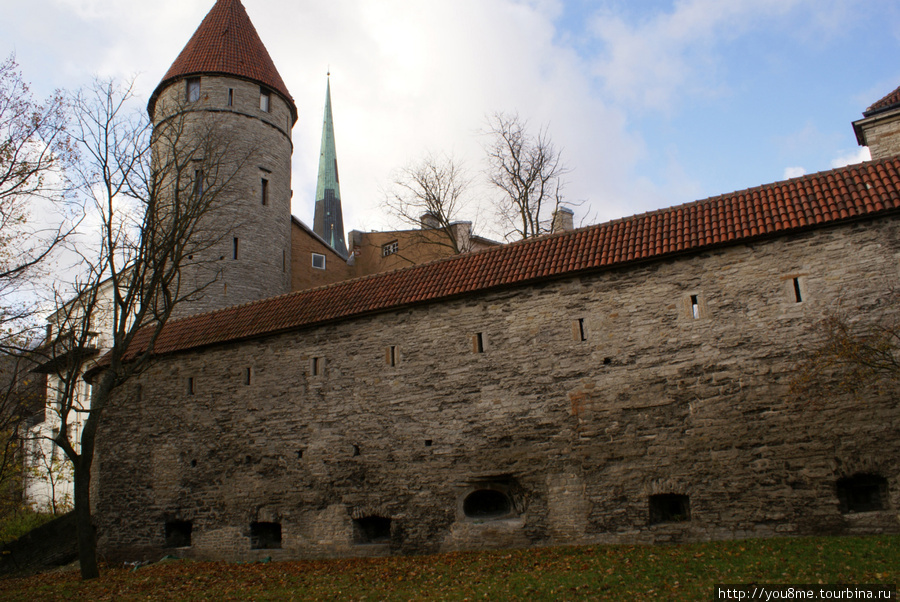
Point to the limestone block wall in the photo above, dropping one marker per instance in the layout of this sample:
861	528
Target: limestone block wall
643	404
250	254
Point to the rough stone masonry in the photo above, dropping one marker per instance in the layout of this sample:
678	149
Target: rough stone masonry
647	403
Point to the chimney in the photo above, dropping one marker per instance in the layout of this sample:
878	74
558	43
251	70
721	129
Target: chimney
429	221
563	219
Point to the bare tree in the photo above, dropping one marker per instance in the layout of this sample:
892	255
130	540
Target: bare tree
429	195
852	355
529	170
152	215
34	153
36	215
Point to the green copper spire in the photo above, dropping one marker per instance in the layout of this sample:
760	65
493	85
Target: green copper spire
329	221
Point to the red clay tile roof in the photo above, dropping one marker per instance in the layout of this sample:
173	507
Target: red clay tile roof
885	103
857	191
226	43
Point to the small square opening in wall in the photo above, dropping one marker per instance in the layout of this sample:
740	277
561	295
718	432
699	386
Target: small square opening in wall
372	529
265	536
862	493
669	508
178	533
318	261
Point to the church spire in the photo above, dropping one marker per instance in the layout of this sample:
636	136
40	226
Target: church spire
329	222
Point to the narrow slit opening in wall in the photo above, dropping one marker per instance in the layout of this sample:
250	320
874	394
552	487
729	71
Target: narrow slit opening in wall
392	355
314	366
235	248
264	191
190	385
299	454
695	307
230	97
248	375
178	533
355	450
582	335
265	536
798	297
479	342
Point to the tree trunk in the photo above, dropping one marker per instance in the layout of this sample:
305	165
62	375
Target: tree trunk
87	533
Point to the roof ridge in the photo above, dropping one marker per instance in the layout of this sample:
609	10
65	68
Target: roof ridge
841	194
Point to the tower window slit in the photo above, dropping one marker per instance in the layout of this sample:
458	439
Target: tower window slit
235	248
695	307
264	191
798	297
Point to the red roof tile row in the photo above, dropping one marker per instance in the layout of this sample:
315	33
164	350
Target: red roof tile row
226	43
861	190
885	103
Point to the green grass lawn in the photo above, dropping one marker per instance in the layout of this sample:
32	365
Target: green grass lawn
678	572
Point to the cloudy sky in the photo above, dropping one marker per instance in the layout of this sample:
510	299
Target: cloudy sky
653	102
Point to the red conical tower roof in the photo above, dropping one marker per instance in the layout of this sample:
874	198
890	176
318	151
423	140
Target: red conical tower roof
226	43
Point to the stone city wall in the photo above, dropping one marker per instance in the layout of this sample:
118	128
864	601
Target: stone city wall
636	405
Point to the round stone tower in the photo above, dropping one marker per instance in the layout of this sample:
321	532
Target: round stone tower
222	120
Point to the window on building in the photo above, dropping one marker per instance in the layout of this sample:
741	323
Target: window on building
315	366
798	295
265	536
264	97
190	385
230	97
192	90
318	261
235	248
578	330
264	191
478	342
198	182
695	307
248	375
178	533
862	493
391	355
669	508
372	529
389	249
487	503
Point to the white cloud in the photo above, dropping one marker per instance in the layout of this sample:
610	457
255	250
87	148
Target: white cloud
659	60
793	172
855	156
